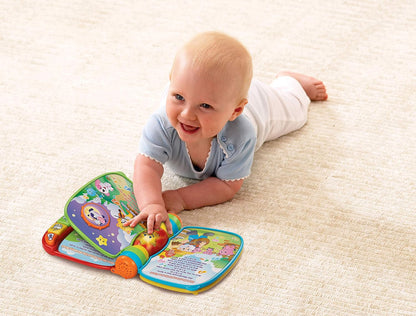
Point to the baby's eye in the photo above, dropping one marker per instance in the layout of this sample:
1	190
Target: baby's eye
179	97
205	106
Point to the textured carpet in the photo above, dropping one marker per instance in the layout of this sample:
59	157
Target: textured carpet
329	213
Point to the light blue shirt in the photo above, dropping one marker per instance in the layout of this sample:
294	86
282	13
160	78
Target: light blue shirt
231	154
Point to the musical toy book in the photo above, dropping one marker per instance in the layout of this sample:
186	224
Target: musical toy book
92	233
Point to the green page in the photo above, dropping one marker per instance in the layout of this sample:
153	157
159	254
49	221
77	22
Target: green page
98	210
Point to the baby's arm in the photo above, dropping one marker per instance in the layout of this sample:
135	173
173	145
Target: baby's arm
210	191
148	192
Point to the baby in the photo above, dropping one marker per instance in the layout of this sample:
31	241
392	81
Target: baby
212	119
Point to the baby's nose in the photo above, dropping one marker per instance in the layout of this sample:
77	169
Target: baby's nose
188	113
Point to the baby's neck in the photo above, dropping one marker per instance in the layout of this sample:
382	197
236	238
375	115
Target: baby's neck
199	152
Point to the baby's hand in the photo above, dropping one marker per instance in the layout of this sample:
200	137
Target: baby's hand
155	215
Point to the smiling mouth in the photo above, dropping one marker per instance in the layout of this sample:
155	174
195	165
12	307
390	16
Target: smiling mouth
189	129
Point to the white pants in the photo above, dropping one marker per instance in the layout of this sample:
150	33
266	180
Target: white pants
276	109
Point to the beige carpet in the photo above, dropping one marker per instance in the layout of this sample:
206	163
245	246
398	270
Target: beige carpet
329	213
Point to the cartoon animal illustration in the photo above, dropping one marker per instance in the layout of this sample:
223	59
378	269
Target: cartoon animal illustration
227	250
94	216
209	251
103	187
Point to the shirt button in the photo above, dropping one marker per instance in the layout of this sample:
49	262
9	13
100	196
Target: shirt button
230	147
223	138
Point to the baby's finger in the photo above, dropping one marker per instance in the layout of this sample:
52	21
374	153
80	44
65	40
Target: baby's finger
169	227
129	222
134	221
150	224
158	221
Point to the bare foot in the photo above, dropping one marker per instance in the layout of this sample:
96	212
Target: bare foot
314	88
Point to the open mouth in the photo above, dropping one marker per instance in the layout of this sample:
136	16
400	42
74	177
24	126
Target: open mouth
189	128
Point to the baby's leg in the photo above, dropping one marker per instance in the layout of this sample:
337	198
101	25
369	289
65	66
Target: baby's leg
314	88
276	109
282	107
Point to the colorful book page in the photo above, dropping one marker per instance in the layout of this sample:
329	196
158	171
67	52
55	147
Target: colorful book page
194	259
74	246
99	210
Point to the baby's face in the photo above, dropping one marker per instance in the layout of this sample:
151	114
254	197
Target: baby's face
199	105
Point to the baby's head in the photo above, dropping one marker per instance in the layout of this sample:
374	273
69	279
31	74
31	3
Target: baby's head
218	55
209	82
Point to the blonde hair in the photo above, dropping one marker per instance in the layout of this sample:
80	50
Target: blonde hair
218	53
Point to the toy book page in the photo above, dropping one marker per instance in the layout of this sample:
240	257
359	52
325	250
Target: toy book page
193	259
76	247
99	209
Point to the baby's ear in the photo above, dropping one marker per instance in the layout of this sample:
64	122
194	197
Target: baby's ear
238	109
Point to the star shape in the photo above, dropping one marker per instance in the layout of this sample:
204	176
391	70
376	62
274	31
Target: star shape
101	240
